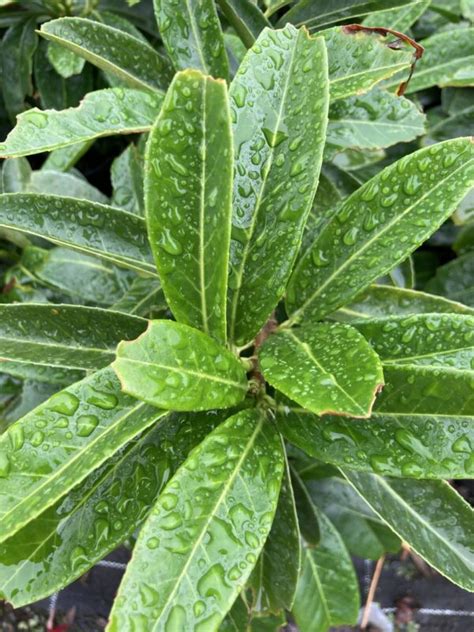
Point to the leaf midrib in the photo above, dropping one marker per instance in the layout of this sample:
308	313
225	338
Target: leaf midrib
383	483
356	254
219	501
180	370
268	166
57	474
309	353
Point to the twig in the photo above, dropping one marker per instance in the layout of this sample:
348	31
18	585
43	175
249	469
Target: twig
372	589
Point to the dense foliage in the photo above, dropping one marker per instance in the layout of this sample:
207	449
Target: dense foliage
238	351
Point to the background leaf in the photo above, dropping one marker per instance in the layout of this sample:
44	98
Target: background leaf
113	50
101	113
412	509
192	35
328	592
88	227
66	336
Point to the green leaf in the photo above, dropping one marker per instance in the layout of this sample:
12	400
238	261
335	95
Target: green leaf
381	300
177	367
191	241
68	184
98	515
32	394
379	225
404	443
229	482
318	14
359	60
364	534
55	91
87	227
18	47
126	174
64	61
459	124
101	113
144	297
279	132
308	516
192	35
39	373
66	336
81	427
447	61
412	509
79	275
328	591
431	340
245	17
327	368
66	157
111	49
377	119
399	19
274	578
454	280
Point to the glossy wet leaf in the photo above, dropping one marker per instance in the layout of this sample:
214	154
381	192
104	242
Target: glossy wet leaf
101	113
198	542
245	17
308	516
39	373
82	426
64	61
66	336
455	280
399	19
86	278
177	367
379	225
358	61
461	123
447	61
408	443
19	43
279	112
364	533
88	227
126	174
58	183
376	119
145	297
431	340
189	157
318	14
328	591
274	578
111	49
429	516
327	368
99	514
379	301
66	157
192	35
